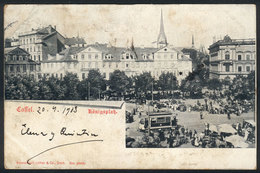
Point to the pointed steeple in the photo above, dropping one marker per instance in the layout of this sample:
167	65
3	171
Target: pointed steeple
192	42
132	44
161	40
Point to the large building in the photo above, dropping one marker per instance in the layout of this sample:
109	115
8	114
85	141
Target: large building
18	62
232	57
40	43
132	60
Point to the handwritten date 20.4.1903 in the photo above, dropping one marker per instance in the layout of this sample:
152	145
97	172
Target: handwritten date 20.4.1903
65	110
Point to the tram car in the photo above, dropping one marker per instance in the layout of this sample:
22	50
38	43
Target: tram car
158	121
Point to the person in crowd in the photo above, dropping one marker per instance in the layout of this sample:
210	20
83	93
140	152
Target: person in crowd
182	131
201	115
190	134
170	141
237	126
244	123
228	115
246	134
187	132
196	141
195	132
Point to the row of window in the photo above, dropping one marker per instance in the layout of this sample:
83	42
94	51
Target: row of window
126	56
33	49
16	58
21	68
52	75
239	57
34	57
27	41
165	56
22	58
239	68
109	65
84	56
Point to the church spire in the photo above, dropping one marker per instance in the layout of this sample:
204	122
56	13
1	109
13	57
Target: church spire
192	42
161	40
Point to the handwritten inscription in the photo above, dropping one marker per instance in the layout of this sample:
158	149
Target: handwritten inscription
65	111
63	132
40	110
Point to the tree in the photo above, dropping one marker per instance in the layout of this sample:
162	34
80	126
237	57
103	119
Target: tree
144	83
44	92
167	81
193	55
251	81
20	87
192	86
214	84
243	87
119	82
83	89
57	90
97	83
70	83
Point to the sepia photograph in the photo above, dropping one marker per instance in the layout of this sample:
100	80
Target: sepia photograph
177	76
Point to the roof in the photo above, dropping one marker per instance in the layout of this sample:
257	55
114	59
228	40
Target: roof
183	58
105	49
116	52
10	50
72	50
160	114
146	50
47	36
74	41
228	41
41	31
65	55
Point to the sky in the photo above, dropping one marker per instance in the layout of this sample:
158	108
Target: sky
118	24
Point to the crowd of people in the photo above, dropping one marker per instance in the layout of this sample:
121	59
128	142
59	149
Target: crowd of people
175	137
209	138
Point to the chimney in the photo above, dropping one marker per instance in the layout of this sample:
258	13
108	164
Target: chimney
49	29
55	27
214	39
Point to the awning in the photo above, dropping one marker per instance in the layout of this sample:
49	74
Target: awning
213	128
237	141
226	128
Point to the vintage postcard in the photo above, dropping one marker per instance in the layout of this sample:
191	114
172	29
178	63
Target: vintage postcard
130	86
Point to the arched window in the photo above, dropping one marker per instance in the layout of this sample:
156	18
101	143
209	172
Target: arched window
127	56
239	57
247	57
227	56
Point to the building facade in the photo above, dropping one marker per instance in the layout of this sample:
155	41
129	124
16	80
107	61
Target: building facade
40	43
232	57
132	60
18	62
55	56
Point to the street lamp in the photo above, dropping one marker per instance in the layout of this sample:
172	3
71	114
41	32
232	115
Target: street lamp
88	90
